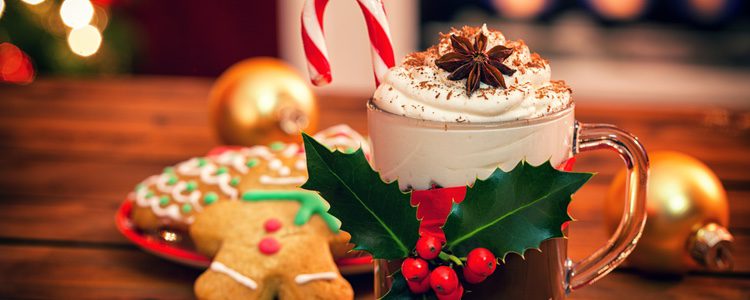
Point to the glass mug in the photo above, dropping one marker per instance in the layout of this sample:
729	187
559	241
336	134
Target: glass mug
422	153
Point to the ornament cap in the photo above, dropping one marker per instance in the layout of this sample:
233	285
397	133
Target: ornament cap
711	246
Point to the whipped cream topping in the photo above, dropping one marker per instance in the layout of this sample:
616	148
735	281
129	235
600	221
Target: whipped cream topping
419	89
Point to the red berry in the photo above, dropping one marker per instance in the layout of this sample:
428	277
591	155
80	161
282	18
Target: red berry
415	269
456	295
428	247
481	261
443	280
472	277
419	287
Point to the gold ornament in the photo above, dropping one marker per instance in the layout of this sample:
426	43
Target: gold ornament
262	100
688	215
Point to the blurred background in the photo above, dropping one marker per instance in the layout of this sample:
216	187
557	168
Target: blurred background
643	51
96	95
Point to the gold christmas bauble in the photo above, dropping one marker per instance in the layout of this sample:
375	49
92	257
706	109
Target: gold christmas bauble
261	100
688	214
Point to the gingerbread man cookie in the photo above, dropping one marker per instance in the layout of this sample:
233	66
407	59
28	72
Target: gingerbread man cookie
270	245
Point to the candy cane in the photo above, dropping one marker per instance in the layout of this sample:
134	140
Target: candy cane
315	47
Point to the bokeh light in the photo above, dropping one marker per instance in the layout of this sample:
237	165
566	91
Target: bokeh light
15	66
101	19
33	2
76	13
2	7
520	9
85	41
619	10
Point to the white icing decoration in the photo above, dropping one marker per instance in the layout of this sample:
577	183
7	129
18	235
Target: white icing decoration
161	183
181	198
226	186
275	164
190	167
300	165
285	171
259	151
140	194
241	279
291	150
234	159
265	179
171	211
208	175
305	278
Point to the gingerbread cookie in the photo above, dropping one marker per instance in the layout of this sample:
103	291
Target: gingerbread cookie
270	245
174	198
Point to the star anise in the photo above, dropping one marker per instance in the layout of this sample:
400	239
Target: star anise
471	62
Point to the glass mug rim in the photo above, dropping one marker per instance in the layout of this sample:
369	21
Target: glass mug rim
443	125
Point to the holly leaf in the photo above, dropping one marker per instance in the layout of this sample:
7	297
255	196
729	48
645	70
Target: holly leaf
514	211
399	289
376	214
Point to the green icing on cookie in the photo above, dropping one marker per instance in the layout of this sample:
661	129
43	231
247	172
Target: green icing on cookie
163	200
186	208
149	194
252	162
310	203
235	181
349	150
276	146
210	198
221	170
139	187
169	170
172	180
201	162
191	186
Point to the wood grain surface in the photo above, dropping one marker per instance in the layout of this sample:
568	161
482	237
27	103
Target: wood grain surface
71	150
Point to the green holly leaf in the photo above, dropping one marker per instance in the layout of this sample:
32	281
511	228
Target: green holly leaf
399	289
377	214
514	211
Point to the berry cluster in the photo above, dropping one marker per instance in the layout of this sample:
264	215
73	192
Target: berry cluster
442	278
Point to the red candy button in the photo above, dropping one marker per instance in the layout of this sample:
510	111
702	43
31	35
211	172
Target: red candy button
272	225
269	246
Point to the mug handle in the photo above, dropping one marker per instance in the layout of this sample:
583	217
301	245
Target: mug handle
589	137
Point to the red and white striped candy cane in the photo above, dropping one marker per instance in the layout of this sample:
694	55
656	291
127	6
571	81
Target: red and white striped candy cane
315	46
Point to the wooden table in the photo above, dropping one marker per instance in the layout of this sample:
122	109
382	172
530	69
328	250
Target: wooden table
70	150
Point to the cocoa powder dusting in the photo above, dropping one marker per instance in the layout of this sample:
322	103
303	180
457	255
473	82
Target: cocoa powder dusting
536	61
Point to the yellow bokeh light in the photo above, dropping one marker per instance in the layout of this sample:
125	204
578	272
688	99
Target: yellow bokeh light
2	7
76	13
33	2
85	41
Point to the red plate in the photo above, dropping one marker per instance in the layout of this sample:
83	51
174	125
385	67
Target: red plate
186	255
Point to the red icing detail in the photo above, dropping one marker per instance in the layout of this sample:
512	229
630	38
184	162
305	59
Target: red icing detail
272	225
434	205
269	246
